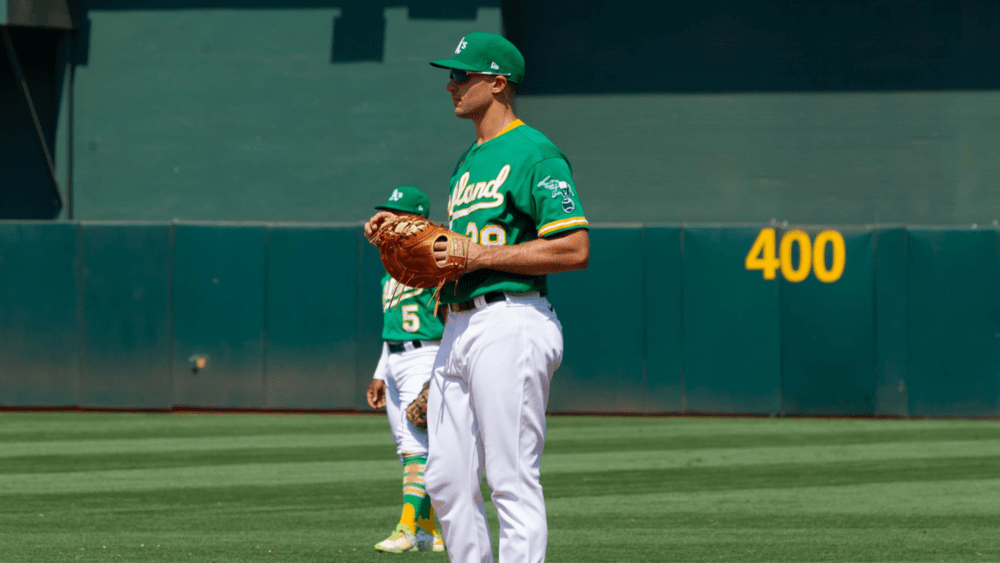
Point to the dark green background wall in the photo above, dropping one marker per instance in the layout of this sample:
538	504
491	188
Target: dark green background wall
302	111
667	319
836	112
841	112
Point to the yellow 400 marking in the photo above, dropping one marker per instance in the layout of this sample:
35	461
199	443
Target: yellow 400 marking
812	255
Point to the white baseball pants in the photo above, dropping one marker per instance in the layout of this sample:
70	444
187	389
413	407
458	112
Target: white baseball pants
488	394
405	375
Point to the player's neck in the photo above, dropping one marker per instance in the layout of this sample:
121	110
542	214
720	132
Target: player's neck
495	119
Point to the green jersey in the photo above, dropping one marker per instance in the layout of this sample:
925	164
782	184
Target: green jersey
408	313
511	189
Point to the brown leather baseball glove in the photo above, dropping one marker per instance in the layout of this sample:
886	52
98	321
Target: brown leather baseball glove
416	413
406	246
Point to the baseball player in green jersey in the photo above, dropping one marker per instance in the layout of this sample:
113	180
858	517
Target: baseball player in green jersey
512	193
411	335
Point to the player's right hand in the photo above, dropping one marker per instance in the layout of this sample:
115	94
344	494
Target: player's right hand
376	394
373	224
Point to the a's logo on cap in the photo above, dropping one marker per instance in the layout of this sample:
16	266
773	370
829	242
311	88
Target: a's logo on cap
494	66
461	45
396	195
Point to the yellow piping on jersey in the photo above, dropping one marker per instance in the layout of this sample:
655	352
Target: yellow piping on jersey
513	125
562	224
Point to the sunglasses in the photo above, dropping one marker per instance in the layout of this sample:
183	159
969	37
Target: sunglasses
460	76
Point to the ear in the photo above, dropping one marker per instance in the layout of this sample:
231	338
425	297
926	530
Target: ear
499	84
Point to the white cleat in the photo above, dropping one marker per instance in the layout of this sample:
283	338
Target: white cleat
429	542
401	540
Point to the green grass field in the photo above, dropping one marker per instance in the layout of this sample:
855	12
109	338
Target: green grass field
243	488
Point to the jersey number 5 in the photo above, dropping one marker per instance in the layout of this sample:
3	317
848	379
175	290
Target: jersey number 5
411	321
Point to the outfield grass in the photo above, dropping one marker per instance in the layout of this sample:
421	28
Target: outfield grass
298	488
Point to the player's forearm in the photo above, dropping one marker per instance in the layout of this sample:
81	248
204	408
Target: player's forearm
570	251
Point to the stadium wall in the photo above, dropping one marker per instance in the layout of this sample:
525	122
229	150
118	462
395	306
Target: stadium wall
264	111
720	112
857	321
723	119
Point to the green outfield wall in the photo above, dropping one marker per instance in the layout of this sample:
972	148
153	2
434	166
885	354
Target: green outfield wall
290	111
762	319
720	112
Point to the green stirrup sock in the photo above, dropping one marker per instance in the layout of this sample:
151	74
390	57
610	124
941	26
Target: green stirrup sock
414	493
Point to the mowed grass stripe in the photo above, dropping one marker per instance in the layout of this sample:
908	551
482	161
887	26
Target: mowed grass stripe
43	426
162	453
722	457
232	475
771	476
575	430
916	504
912	504
173	509
191	458
559	439
196	444
162	433
658	434
558	480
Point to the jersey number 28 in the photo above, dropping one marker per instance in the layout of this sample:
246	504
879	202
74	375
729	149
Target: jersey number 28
491	235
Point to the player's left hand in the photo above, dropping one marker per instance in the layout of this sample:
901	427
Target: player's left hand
376	394
471	262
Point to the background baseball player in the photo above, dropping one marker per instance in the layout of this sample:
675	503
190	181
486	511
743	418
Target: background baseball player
513	196
411	334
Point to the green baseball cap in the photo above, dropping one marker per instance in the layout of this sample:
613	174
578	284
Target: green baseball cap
487	53
408	199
